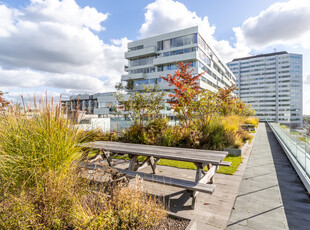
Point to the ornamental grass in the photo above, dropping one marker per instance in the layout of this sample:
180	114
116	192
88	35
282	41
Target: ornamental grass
39	183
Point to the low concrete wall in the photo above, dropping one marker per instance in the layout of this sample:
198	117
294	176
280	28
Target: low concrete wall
96	123
235	152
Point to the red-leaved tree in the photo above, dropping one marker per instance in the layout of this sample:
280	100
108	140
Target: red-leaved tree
3	102
185	92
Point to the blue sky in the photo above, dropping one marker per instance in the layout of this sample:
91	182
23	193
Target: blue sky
76	46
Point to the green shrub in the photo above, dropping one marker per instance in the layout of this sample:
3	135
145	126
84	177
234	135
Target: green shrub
213	135
238	142
251	120
246	135
97	135
216	134
168	137
150	134
135	134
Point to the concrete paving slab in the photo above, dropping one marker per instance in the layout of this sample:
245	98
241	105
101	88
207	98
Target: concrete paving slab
271	195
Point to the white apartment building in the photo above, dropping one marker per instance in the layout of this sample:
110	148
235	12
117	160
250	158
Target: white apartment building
272	85
151	58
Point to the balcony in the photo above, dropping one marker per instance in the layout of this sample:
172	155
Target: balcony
175	58
140	53
127	77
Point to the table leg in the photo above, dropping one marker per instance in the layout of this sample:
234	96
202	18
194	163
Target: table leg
133	163
212	179
153	164
106	155
199	174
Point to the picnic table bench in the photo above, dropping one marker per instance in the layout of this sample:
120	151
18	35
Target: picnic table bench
248	127
201	158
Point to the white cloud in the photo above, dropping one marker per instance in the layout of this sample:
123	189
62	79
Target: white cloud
6	20
65	12
164	16
284	23
53	43
20	78
307	78
13	79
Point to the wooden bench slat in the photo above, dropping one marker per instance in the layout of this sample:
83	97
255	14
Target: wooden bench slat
154	151
182	154
189	185
108	143
206	178
225	163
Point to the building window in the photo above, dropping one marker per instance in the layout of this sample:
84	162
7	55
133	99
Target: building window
177	42
142	61
136	48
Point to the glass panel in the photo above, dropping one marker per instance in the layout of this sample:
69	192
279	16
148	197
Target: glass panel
189	39
166	44
178	52
176	42
160	45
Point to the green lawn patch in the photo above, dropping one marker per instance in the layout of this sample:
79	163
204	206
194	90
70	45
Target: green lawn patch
125	157
236	160
305	139
294	132
283	126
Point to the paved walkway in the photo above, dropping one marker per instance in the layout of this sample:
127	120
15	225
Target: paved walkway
271	195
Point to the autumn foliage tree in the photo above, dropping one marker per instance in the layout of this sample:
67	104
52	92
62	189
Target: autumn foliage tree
226	100
186	89
3	102
230	104
196	106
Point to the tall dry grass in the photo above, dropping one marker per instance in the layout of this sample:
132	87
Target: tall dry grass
34	143
39	183
251	120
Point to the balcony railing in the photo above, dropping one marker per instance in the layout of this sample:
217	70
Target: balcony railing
297	150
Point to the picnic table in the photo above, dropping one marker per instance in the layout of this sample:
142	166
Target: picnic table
248	127
152	154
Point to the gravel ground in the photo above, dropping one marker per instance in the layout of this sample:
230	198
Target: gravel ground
174	223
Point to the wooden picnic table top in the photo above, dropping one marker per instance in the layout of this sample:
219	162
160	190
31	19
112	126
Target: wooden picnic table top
173	153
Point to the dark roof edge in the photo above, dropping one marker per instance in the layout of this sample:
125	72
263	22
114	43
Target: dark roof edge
260	55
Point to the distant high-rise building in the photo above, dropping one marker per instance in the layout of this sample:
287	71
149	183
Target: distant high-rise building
150	58
272	84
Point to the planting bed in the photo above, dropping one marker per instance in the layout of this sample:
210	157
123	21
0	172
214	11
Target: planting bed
174	223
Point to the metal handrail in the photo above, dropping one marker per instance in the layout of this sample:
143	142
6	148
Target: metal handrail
296	150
